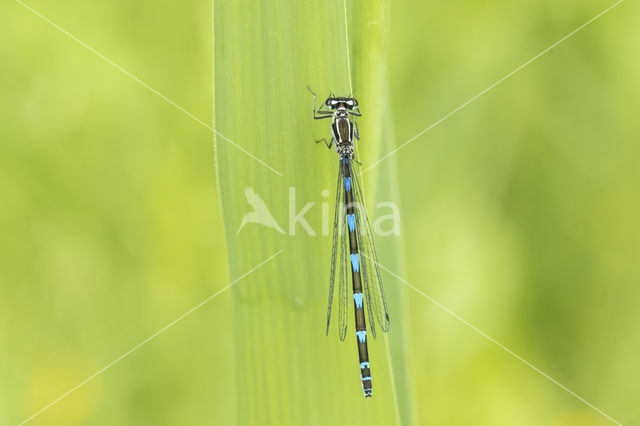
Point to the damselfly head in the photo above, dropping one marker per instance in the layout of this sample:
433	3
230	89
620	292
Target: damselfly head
334	103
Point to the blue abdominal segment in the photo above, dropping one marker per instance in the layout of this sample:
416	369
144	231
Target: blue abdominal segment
351	221
357	297
355	262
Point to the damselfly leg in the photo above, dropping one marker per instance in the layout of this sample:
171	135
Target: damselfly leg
328	144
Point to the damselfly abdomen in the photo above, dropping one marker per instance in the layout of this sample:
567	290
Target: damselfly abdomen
351	224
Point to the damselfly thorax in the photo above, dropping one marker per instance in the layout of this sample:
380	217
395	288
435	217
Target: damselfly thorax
344	128
342	132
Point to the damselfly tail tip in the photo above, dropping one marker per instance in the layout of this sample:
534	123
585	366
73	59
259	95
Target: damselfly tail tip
366	382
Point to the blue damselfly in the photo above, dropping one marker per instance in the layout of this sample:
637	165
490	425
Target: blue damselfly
351	224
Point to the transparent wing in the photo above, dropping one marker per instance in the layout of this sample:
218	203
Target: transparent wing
372	282
343	280
339	261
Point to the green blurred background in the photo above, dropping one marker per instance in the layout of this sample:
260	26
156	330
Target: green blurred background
519	213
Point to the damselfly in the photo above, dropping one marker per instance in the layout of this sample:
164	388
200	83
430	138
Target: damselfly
351	223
